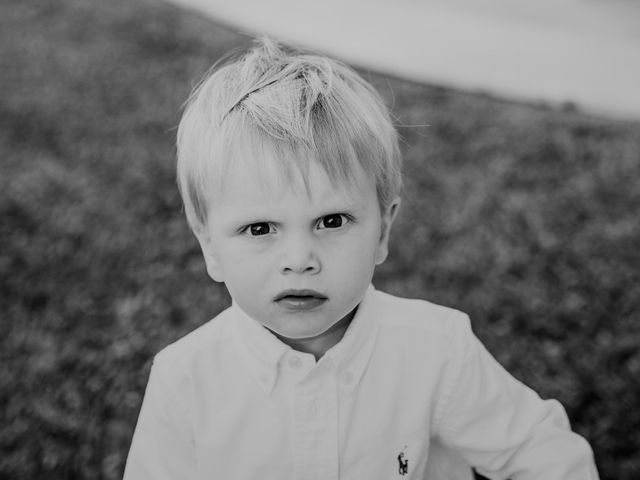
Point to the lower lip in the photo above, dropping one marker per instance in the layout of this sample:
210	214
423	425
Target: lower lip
300	303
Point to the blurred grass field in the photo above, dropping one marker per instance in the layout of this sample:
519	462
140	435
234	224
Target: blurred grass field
524	216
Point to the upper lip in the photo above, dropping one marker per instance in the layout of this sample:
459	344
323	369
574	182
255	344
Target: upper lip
299	293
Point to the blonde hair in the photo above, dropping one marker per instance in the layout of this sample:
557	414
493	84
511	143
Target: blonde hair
305	107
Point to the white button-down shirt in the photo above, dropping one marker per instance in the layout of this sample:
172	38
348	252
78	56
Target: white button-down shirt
408	393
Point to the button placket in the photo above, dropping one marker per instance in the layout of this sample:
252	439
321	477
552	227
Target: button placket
316	429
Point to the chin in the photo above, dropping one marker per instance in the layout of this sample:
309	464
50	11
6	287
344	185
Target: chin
299	333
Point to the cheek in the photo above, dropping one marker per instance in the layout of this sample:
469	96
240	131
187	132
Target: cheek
241	253
359	251
246	267
231	263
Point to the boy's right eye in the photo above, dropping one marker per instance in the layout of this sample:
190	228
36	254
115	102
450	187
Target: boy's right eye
258	229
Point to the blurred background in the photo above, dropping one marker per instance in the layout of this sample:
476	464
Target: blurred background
520	207
562	51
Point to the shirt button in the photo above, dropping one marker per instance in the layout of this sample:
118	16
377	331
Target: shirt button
347	378
295	362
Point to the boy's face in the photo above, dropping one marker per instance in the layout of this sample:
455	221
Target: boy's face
296	259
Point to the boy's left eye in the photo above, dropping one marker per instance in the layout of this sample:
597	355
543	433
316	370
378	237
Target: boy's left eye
335	220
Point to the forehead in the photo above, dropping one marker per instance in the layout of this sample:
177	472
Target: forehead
265	173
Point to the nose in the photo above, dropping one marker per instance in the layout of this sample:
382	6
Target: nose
299	255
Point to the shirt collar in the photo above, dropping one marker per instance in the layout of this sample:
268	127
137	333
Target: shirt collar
351	355
264	351
261	348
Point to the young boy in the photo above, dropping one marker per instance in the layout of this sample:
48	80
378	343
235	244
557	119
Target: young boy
289	170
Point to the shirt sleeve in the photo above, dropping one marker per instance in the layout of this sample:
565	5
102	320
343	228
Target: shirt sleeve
162	447
502	427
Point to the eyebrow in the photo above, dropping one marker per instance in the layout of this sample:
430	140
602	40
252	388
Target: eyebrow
247	216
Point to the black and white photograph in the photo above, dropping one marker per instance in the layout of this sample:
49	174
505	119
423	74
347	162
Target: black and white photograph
303	240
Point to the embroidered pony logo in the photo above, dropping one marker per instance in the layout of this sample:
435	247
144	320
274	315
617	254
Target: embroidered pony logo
403	463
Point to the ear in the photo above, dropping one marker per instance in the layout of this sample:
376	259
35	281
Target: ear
388	217
210	258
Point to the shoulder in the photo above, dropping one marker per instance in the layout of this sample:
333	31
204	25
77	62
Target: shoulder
418	339
196	344
419	317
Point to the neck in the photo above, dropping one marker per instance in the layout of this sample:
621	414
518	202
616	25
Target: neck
320	344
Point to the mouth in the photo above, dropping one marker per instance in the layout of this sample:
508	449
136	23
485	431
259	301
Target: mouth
298	300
